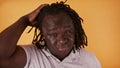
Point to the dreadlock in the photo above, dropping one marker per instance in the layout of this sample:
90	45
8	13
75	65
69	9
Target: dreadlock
53	9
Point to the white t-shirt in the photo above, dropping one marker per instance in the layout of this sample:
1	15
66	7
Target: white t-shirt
41	58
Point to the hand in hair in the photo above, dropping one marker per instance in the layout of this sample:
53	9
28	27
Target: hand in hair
32	16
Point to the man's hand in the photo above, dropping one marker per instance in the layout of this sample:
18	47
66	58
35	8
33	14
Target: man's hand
32	16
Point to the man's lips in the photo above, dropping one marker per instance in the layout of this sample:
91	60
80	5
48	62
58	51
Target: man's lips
62	47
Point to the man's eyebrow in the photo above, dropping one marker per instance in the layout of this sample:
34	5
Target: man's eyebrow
53	28
68	26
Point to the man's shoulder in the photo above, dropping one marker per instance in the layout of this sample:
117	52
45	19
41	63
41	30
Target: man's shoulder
89	58
85	54
30	48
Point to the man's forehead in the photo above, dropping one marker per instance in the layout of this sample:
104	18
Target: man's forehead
61	18
60	15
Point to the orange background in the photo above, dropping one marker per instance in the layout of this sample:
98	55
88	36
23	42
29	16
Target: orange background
101	24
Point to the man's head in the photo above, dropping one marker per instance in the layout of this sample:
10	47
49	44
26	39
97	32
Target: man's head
59	16
58	31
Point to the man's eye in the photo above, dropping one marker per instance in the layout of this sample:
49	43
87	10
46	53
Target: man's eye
68	32
53	35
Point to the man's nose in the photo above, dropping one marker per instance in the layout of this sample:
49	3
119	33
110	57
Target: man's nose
62	39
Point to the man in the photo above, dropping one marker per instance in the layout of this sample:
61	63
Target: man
59	43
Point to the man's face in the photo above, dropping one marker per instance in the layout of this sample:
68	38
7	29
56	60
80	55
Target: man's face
58	31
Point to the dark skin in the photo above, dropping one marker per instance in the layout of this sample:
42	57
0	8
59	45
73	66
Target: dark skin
59	41
11	55
58	31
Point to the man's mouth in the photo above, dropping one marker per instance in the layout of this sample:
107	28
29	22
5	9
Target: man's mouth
62	47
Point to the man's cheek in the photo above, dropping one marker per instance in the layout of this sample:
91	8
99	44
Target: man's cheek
52	41
72	40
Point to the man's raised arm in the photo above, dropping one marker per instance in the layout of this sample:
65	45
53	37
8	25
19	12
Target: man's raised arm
11	55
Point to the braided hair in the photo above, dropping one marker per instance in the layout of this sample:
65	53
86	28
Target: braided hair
53	9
